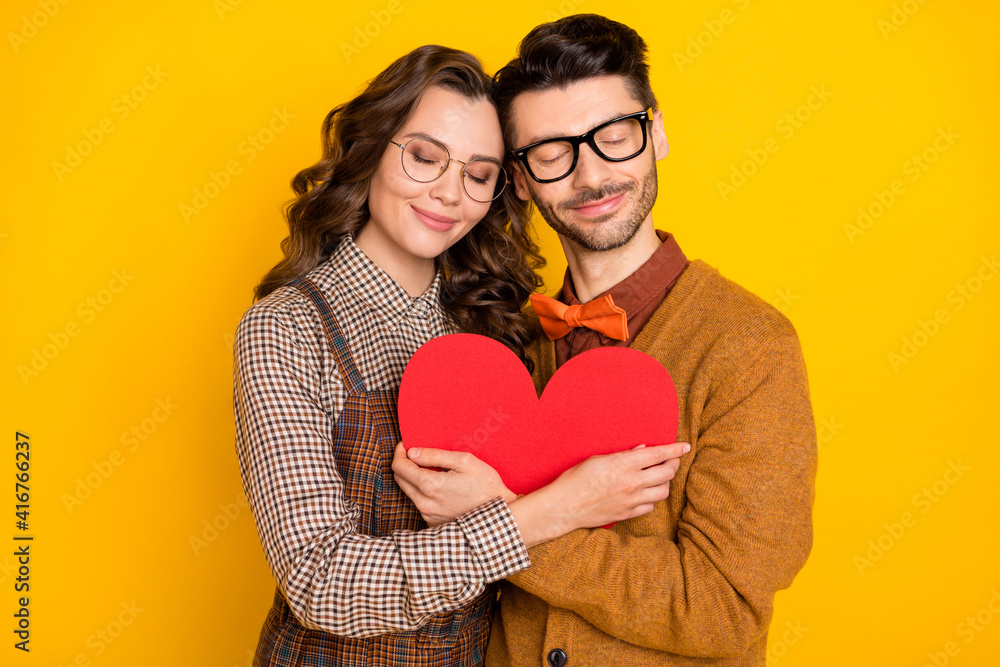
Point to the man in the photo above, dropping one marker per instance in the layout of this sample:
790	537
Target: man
693	582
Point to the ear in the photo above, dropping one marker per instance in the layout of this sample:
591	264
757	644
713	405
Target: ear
659	136
520	182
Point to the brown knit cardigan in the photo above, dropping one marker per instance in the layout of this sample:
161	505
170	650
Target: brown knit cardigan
693	582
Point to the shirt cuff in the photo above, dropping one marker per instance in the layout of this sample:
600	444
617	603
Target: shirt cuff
495	540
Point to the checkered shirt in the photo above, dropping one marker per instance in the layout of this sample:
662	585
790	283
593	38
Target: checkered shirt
287	395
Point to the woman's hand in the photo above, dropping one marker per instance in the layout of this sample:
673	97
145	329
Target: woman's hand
601	490
463	484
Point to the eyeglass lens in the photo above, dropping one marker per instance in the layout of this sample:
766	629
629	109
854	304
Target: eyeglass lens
425	161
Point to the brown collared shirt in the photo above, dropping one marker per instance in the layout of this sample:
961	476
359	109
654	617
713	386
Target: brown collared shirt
639	295
287	395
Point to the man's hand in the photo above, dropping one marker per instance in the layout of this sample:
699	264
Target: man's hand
463	484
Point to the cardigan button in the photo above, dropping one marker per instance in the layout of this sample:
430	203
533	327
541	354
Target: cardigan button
557	657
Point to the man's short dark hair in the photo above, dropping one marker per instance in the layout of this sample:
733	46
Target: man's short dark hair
559	53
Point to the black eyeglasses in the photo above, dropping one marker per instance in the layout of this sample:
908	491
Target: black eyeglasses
425	160
617	140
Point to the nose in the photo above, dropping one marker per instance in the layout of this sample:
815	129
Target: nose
447	188
591	171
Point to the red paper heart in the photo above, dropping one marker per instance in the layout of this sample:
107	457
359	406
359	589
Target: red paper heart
471	393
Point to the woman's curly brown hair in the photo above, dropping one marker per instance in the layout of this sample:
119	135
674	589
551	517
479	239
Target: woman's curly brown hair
489	273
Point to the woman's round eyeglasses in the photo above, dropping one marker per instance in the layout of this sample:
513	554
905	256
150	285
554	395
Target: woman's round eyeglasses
425	160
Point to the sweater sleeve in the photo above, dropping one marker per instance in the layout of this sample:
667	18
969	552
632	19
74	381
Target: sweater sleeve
745	529
335	578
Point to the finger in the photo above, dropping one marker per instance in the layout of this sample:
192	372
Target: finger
661	453
654	494
677	449
640	510
674	450
399	454
670	467
658	474
651	455
400	460
428	457
412	492
415	493
411	472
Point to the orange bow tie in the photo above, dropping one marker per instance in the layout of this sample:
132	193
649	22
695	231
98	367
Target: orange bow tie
601	315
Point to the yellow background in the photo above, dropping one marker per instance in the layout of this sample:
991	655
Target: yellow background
891	430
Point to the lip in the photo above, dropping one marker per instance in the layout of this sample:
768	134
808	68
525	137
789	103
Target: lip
606	205
434	221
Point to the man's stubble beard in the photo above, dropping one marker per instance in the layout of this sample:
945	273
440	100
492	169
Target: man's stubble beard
603	237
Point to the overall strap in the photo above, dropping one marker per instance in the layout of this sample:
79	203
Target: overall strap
338	343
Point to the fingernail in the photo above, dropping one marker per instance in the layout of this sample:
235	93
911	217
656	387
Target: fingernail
687	448
414	453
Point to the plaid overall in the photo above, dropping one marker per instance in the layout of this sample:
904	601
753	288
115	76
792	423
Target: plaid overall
364	437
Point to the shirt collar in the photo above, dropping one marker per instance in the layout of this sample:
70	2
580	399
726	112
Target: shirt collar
360	278
649	280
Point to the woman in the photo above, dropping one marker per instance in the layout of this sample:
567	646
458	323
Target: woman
402	232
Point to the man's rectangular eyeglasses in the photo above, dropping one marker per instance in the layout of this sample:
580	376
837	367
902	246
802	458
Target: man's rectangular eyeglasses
617	140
